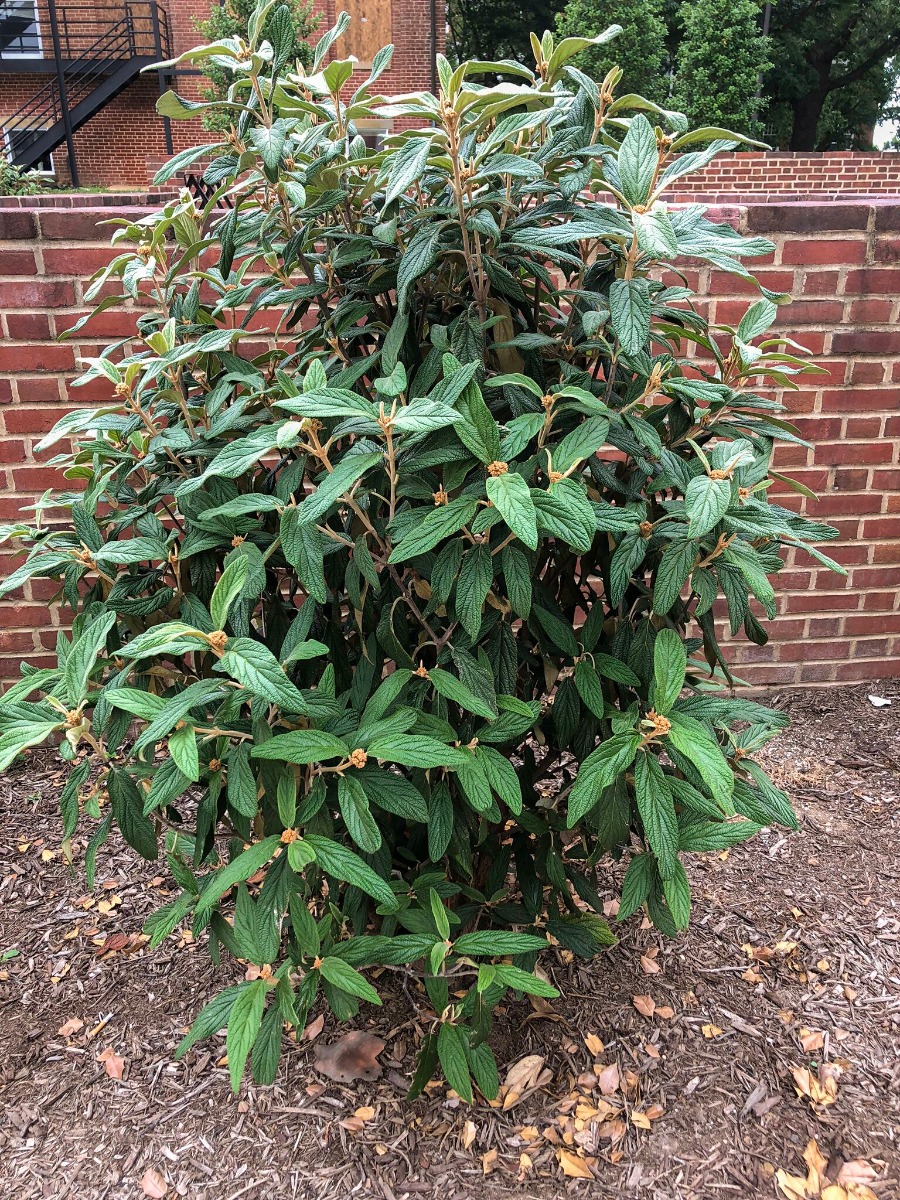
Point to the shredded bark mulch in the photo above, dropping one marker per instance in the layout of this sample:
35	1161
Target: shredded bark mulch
696	1068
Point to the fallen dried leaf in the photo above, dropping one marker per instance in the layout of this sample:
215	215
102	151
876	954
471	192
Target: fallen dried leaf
608	1080
469	1134
811	1039
645	1005
648	966
313	1029
366	1113
153	1184
792	1186
711	1031
113	1064
594	1044
489	1161
73	1025
664	1011
352	1057
574	1167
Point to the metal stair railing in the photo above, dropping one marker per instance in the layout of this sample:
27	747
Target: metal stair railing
95	57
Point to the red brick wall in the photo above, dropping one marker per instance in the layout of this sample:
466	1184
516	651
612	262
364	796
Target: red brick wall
756	175
840	261
123	144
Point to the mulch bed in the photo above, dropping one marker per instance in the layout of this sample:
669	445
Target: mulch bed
774	1020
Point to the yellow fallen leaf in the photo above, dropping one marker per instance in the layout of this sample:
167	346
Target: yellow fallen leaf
525	1162
711	1031
791	1186
468	1134
574	1167
47	856
489	1161
640	1119
529	1133
366	1113
594	1045
817	1165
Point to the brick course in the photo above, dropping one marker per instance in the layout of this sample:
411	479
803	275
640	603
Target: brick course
829	628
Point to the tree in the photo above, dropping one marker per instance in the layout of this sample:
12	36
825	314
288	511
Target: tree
496	29
830	55
232	19
720	58
640	49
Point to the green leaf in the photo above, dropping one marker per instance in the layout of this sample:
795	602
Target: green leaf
669	667
127	805
343	976
475	578
677	892
637	160
524	981
598	771
82	657
629	307
517	576
416	750
302	746
255	667
706	501
334	486
451	1049
342	863
496	943
455	690
418	258
354	806
437	523
228	588
672	573
511	497
244	1020
242	786
702	749
183	748
657	809
406	166
236	871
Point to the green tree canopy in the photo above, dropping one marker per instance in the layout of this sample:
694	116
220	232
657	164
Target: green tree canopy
719	63
830	77
495	29
640	49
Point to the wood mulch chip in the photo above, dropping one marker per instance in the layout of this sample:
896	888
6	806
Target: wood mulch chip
696	1068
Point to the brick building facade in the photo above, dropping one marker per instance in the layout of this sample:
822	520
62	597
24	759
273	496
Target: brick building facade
120	144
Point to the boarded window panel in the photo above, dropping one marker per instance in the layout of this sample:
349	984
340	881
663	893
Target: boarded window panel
370	28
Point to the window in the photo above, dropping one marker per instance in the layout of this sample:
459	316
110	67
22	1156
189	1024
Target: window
18	140
20	34
370	29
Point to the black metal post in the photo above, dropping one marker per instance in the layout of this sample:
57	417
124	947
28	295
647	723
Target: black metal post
61	85
161	52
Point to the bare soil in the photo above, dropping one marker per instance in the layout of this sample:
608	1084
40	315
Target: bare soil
791	965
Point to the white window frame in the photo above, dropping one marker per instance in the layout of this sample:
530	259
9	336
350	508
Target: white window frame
39	51
8	151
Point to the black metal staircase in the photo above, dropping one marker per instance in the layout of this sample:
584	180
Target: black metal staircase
94	53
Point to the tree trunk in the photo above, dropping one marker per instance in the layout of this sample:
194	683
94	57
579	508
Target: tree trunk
807	111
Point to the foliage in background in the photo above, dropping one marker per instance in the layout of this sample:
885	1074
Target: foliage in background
497	29
720	60
834	63
831	76
391	633
19	181
231	19
639	50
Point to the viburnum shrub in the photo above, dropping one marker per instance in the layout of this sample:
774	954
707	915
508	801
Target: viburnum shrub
393	558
